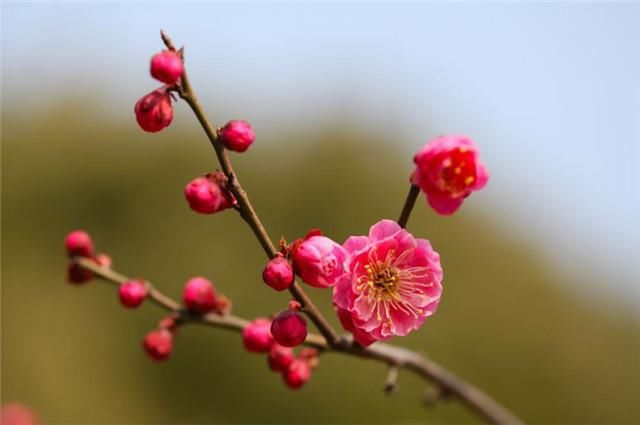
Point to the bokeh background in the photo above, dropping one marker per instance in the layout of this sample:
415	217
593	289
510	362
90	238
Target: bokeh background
542	296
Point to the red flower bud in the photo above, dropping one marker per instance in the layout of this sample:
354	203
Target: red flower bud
298	374
208	194
289	328
166	66
256	336
132	293
154	111
278	274
199	295
280	358
77	274
158	344
78	243
237	135
13	413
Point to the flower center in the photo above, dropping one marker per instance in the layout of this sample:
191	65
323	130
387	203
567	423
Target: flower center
458	172
391	285
382	275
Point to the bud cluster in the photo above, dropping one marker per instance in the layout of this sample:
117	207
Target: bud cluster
209	194
154	111
276	339
79	245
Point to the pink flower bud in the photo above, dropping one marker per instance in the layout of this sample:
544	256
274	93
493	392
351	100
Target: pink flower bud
280	358
199	295
223	304
294	305
158	344
289	328
448	169
170	323
154	111
256	336
77	274
166	66
237	135
13	413
297	375
78	243
132	293
103	260
319	261
208	194
278	274
311	356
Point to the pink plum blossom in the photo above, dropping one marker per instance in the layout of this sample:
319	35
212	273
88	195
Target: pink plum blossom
392	284
447	170
319	261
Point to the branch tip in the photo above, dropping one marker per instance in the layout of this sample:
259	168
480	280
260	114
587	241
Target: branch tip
391	384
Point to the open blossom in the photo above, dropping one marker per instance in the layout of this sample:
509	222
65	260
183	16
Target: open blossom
448	169
319	261
392	284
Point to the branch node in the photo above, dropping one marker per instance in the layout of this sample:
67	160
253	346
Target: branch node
433	395
391	384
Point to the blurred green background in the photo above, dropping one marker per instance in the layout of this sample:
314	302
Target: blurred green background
540	306
507	322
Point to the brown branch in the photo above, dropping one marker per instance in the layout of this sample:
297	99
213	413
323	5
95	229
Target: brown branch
247	212
409	203
395	357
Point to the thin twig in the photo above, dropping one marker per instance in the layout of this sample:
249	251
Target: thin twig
409	203
246	209
396	357
391	383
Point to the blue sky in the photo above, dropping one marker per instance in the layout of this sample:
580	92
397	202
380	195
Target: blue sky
551	92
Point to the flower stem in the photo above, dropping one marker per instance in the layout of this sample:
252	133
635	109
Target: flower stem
409	203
